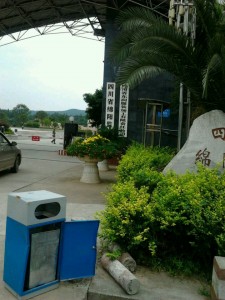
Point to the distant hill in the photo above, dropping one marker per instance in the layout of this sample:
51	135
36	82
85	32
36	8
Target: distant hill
68	112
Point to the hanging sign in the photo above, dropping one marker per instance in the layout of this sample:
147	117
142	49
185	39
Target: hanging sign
110	104
123	110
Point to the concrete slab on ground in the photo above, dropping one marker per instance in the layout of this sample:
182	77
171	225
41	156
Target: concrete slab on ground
154	286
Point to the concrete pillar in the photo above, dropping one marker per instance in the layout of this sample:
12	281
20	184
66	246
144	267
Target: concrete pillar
218	279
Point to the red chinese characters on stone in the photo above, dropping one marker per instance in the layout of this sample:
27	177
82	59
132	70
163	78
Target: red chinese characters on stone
203	157
219	133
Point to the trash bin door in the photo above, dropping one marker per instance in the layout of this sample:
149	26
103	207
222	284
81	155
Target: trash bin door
78	249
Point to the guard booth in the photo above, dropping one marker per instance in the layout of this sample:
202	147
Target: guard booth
41	247
70	130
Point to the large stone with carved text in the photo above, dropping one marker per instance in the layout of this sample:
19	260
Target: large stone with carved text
205	144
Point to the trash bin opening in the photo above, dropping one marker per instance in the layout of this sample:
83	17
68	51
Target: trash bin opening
47	210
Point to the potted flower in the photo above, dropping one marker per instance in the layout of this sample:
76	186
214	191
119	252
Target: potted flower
92	150
122	143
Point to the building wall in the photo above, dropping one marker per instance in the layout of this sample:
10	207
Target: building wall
158	88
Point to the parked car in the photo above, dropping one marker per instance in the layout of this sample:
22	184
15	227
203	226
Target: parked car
10	155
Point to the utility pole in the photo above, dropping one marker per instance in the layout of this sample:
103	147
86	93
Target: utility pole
182	14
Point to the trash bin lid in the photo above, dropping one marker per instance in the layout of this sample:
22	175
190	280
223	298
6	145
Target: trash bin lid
23	207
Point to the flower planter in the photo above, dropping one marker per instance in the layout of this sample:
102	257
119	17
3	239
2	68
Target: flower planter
90	172
95	146
103	165
114	161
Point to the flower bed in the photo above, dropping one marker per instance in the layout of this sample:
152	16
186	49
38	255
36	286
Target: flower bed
94	147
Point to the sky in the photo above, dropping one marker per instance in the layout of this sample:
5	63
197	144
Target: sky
50	72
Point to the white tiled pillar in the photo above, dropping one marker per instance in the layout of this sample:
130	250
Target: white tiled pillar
218	278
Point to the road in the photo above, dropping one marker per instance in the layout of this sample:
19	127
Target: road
43	168
39	162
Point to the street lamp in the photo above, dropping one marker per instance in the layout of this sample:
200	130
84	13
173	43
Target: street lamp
71	119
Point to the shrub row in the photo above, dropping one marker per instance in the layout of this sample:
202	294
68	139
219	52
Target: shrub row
143	158
172	218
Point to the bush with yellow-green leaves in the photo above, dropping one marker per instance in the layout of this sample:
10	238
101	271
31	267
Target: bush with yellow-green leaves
143	158
172	221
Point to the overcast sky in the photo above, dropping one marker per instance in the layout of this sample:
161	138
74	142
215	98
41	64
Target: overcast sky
50	72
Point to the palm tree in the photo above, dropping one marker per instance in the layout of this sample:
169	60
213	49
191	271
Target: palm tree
147	45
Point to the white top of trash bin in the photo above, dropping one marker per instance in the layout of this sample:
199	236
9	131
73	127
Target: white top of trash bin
36	207
32	196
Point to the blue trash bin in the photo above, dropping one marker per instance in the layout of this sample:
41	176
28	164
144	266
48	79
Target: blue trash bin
41	247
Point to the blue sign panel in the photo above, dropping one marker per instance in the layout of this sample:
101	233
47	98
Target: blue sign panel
165	113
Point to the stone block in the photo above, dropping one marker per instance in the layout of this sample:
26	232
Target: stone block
218	279
205	145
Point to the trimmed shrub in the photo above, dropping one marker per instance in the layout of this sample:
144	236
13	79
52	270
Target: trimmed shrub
124	220
175	221
142	158
189	213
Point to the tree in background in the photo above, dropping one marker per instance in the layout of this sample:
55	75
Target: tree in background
40	116
4	120
81	120
94	109
47	122
3	116
58	118
20	114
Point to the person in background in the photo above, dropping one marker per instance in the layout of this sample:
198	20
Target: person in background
53	136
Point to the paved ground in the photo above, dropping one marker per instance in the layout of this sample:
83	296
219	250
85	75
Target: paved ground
44	169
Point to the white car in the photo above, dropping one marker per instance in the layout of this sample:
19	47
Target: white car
10	155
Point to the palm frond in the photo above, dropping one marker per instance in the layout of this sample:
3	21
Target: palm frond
164	39
137	72
214	66
147	46
136	69
136	17
120	48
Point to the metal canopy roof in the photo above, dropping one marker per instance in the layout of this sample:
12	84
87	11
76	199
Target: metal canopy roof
78	17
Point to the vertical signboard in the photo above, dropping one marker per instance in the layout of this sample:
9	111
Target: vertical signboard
110	104
123	110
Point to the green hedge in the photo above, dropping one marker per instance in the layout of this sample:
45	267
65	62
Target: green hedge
171	220
140	158
32	124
